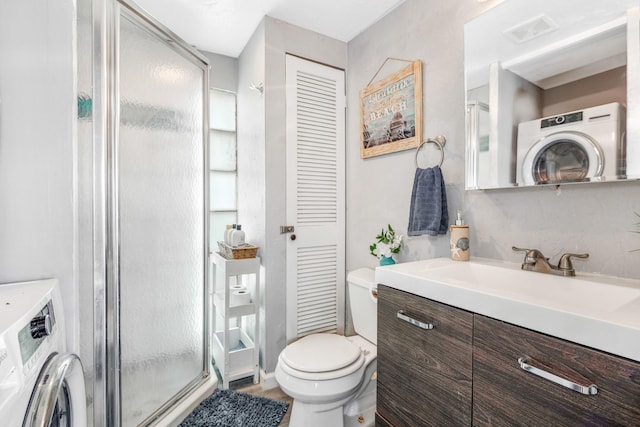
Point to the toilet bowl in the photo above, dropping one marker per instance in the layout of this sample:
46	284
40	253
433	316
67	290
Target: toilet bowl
331	377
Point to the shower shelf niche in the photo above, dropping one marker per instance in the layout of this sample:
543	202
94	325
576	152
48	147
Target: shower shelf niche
234	342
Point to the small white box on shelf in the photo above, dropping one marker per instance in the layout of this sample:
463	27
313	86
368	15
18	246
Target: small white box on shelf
240	353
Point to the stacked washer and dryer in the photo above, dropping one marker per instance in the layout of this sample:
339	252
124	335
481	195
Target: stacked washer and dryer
40	384
578	146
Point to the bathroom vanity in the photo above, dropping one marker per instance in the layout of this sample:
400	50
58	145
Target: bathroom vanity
485	343
424	376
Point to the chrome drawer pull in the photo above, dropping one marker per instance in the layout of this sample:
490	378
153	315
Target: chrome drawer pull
413	321
584	389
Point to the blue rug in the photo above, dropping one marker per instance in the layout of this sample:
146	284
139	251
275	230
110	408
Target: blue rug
226	408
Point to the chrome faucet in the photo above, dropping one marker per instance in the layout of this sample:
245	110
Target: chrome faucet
535	261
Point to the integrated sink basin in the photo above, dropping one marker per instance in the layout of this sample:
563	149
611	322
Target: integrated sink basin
598	311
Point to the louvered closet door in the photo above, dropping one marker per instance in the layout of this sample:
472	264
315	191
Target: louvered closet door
315	197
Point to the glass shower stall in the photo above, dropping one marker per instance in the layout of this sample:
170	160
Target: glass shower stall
142	214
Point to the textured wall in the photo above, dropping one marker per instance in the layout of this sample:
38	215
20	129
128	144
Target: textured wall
37	137
594	218
251	156
224	71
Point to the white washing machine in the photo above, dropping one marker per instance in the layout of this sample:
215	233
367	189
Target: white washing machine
40	384
584	145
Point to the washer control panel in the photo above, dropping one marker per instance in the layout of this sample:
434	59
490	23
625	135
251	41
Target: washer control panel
35	331
29	328
561	119
30	332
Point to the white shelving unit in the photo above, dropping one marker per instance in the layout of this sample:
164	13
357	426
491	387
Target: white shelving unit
234	341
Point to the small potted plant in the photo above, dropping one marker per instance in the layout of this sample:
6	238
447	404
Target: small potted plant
387	243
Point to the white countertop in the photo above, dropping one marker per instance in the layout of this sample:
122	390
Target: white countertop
601	312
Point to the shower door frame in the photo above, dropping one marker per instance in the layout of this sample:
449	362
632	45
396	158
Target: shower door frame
107	410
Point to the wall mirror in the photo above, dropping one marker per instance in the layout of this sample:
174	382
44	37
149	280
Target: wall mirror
552	93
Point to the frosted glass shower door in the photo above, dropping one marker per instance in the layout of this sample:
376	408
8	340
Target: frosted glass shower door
161	208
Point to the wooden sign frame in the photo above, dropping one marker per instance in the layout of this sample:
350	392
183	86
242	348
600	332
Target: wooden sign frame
391	113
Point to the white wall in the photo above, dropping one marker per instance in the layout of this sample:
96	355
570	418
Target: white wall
223	73
512	100
594	218
37	137
251	159
379	188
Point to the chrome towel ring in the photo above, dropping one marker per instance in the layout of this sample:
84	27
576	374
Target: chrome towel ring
439	141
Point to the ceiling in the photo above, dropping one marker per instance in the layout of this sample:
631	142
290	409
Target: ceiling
225	26
547	42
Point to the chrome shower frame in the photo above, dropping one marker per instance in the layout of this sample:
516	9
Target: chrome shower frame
107	411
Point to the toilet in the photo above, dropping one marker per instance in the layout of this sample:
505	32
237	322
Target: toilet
332	378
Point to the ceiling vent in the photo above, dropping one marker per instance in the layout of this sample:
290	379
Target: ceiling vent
531	29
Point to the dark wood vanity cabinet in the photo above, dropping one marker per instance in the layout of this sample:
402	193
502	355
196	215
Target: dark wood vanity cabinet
467	371
504	394
424	375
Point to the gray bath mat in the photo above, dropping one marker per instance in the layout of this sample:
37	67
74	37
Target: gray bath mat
226	408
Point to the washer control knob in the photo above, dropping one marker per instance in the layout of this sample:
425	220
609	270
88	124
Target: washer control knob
560	120
41	326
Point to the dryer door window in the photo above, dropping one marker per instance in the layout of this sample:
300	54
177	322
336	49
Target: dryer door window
563	157
561	161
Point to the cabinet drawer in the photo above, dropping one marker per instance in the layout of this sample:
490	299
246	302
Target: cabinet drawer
507	395
424	375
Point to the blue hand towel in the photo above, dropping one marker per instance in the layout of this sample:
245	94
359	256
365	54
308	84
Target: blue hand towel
429	213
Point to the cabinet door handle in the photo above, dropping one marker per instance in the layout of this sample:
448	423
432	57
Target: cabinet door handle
584	389
400	314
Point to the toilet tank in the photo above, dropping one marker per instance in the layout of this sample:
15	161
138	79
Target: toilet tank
364	306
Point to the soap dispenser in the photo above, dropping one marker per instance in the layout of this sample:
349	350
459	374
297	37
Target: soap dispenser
227	233
459	240
237	236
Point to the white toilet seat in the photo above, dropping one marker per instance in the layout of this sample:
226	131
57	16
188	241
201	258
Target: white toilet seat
320	353
321	357
323	376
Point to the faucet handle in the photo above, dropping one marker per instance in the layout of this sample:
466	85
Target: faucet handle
565	260
531	255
